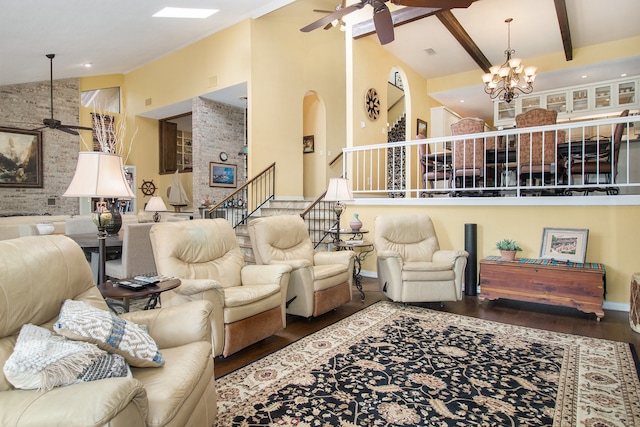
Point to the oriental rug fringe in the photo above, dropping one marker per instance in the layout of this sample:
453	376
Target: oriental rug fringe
391	365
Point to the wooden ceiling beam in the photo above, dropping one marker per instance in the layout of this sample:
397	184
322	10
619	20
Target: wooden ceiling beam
455	28
399	17
563	22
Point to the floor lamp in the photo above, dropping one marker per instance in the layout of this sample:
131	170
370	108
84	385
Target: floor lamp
338	191
100	175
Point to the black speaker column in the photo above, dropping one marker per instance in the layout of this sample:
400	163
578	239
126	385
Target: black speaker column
471	273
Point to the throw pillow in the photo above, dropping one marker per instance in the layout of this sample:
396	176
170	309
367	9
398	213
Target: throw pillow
43	360
81	321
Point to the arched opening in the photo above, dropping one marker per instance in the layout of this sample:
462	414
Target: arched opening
314	142
396	131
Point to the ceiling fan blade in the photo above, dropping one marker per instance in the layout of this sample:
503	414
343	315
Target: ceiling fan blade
332	17
67	130
76	127
384	24
439	4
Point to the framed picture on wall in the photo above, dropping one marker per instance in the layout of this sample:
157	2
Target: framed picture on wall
421	126
22	151
307	144
222	175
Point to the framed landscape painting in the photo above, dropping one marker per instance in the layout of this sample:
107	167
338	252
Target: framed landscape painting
20	158
222	175
421	126
564	244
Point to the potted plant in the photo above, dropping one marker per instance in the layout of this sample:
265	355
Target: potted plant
508	249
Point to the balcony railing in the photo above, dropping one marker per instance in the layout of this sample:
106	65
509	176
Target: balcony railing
577	158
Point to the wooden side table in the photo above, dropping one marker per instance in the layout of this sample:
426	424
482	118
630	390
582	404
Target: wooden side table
110	289
544	281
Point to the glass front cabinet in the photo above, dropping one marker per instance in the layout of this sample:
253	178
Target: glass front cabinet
573	103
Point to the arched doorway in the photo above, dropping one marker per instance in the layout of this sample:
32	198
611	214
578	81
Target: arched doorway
314	142
397	131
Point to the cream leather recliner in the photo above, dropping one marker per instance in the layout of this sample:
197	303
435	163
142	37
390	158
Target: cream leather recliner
204	254
411	265
320	281
37	274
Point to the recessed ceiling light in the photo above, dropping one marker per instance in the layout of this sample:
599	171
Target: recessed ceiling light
87	65
462	101
623	75
183	12
584	76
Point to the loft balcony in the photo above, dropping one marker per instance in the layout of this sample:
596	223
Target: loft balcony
562	160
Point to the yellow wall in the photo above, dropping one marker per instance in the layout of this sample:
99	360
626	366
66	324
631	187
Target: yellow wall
286	64
613	232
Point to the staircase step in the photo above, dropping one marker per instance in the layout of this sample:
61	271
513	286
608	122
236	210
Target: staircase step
284	207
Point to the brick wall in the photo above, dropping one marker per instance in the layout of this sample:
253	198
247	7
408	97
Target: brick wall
24	106
216	127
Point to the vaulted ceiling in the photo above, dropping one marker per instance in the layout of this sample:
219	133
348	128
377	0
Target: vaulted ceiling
120	35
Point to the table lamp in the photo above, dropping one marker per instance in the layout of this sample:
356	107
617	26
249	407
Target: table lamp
100	174
155	204
338	192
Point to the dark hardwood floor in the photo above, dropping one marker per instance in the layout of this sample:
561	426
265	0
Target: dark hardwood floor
614	326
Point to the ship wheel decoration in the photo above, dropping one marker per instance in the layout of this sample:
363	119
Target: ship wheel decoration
148	188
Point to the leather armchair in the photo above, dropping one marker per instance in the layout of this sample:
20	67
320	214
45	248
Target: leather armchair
249	301
37	273
411	265
320	281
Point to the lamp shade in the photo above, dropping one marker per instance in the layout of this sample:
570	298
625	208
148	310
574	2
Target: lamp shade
99	174
338	190
155	204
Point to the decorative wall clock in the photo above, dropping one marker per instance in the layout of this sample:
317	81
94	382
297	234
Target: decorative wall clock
224	156
372	104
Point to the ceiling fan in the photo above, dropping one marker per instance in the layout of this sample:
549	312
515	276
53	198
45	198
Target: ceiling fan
338	22
53	123
381	15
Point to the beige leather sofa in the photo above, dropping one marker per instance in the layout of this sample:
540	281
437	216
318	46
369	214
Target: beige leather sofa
204	254
320	281
411	265
36	275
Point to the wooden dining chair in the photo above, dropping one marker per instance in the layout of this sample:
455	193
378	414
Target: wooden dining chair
468	167
537	150
606	163
434	173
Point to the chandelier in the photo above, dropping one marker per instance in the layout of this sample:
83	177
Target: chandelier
503	81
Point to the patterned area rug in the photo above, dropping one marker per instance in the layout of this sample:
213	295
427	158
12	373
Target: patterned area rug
393	365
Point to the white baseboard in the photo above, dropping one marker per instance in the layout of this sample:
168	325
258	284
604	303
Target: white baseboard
616	306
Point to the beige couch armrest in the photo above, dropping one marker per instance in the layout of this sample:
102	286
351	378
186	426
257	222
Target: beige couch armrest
264	274
448	256
108	402
335	257
177	325
190	287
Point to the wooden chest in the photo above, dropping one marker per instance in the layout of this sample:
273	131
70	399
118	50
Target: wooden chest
574	285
